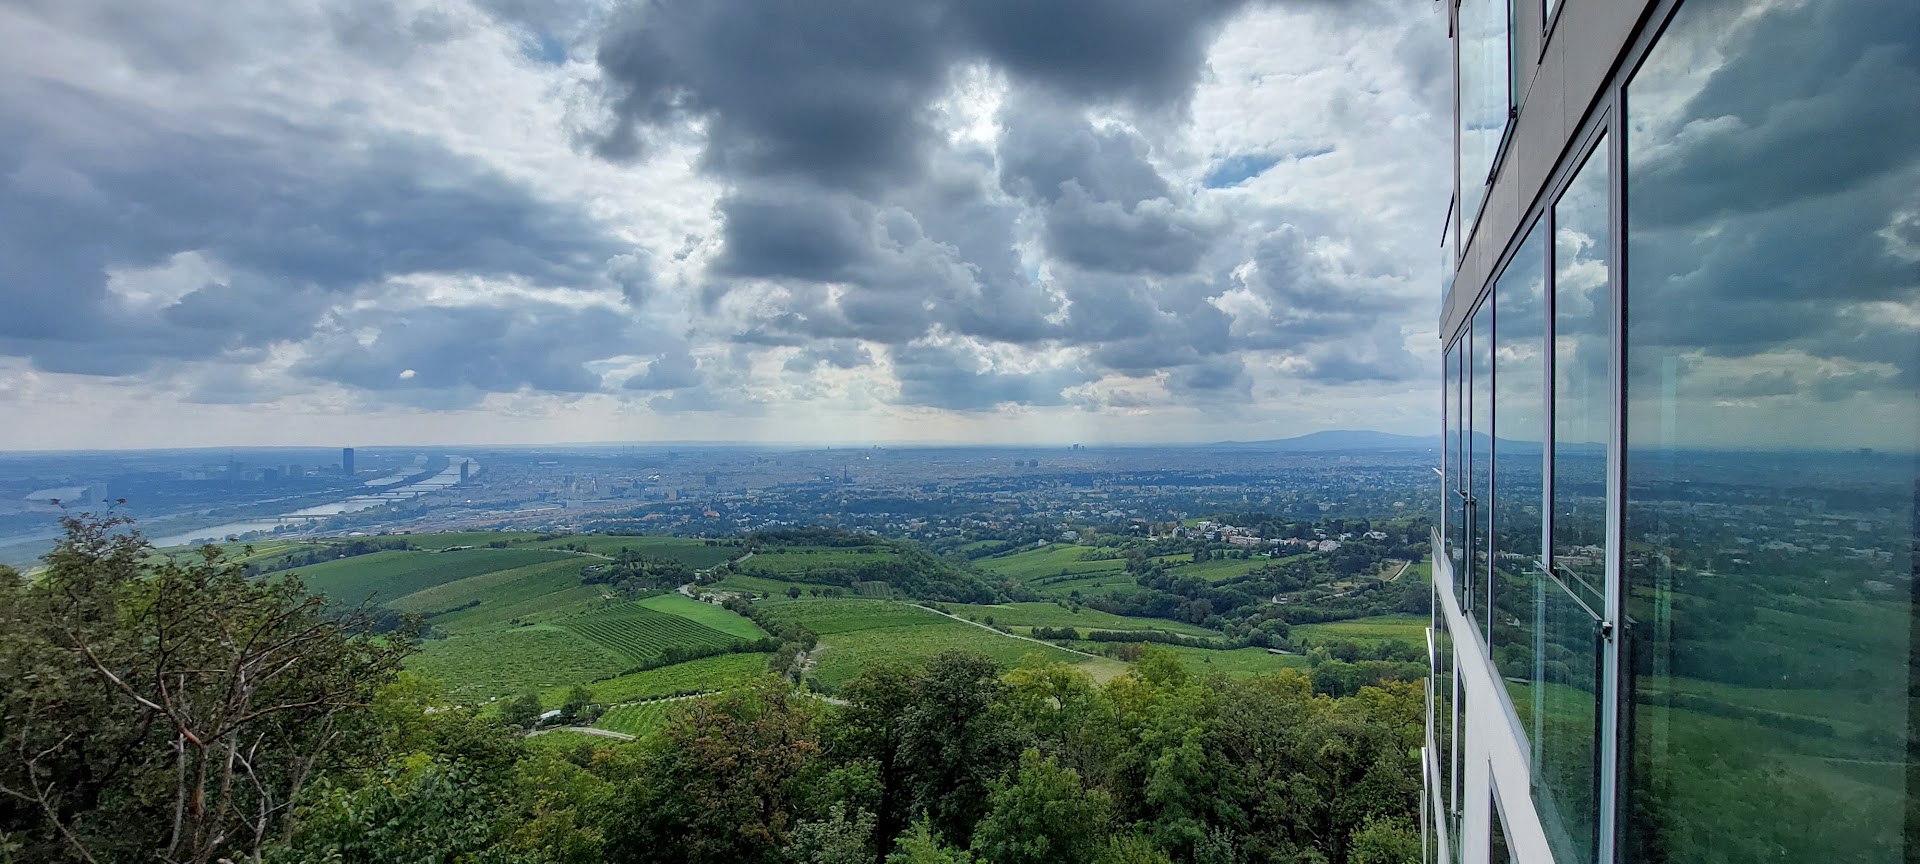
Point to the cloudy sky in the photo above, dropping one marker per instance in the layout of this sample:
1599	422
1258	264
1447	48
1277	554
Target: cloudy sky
521	221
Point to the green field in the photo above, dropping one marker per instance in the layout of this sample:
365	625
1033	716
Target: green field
642	719
1051	560
504	662
827	617
1218	569
749	584
469	538
798	560
691	552
1240	661
708	673
1029	615
1411	629
385	576
855	633
705	613
1111	583
639	634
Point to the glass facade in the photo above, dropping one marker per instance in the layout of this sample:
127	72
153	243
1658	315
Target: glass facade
1772	419
1517	438
1479	473
1485	98
1682	445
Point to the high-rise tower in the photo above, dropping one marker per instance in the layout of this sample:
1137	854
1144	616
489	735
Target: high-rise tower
346	461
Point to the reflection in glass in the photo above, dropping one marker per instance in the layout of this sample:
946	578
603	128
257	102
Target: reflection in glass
1519	426
1582	387
1454	482
1444	723
1498	851
1567	692
1773	418
1479	435
1484	100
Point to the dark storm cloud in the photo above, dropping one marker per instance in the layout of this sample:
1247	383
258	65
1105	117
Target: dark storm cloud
299	213
672	371
944	377
1106	208
838	353
461	354
1147	52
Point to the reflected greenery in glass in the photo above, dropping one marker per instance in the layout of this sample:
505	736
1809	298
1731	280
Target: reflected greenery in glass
1773	417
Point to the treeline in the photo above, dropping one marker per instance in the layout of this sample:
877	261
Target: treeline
333	551
790	640
633	572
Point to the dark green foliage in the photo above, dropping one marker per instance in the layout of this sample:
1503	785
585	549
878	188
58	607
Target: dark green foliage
1043	815
170	705
523	712
635	573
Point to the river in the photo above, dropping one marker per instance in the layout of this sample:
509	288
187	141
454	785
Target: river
306	516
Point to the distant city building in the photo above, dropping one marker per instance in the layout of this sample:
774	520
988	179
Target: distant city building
346	461
466	469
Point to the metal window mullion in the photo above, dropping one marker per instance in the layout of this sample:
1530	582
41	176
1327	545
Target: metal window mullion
1614	601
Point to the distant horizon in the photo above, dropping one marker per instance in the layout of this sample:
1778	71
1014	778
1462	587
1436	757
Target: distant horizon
737	443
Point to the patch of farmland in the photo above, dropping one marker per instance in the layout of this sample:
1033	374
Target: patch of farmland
1411	629
749	583
707	673
477	665
385	576
495	589
451	539
845	653
852	614
723	620
640	634
641	720
691	552
1052	560
1054	615
1239	661
1089	586
1213	570
798	560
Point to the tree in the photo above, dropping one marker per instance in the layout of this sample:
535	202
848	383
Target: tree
955	741
836	839
579	700
1043	816
724	784
793	592
922	846
871	727
170	706
524	711
1388	840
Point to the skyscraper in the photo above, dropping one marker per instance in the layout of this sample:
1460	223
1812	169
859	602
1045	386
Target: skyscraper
1674	608
466	469
346	461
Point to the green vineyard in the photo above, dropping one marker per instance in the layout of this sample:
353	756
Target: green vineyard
640	635
640	719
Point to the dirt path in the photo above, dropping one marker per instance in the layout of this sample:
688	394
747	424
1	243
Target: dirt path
1404	567
1014	636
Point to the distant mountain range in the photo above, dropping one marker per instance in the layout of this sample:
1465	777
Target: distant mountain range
1339	439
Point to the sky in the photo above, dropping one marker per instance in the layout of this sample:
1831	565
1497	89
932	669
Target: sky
325	222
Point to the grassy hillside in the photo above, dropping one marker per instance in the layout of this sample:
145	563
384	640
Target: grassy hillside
1024	616
855	633
385	576
1411	629
1051	560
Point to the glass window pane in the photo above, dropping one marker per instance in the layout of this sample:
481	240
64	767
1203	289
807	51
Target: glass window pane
1484	99
1582	386
1519	429
1498	851
1479	472
1566	705
1452	482
1445	721
1773	411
